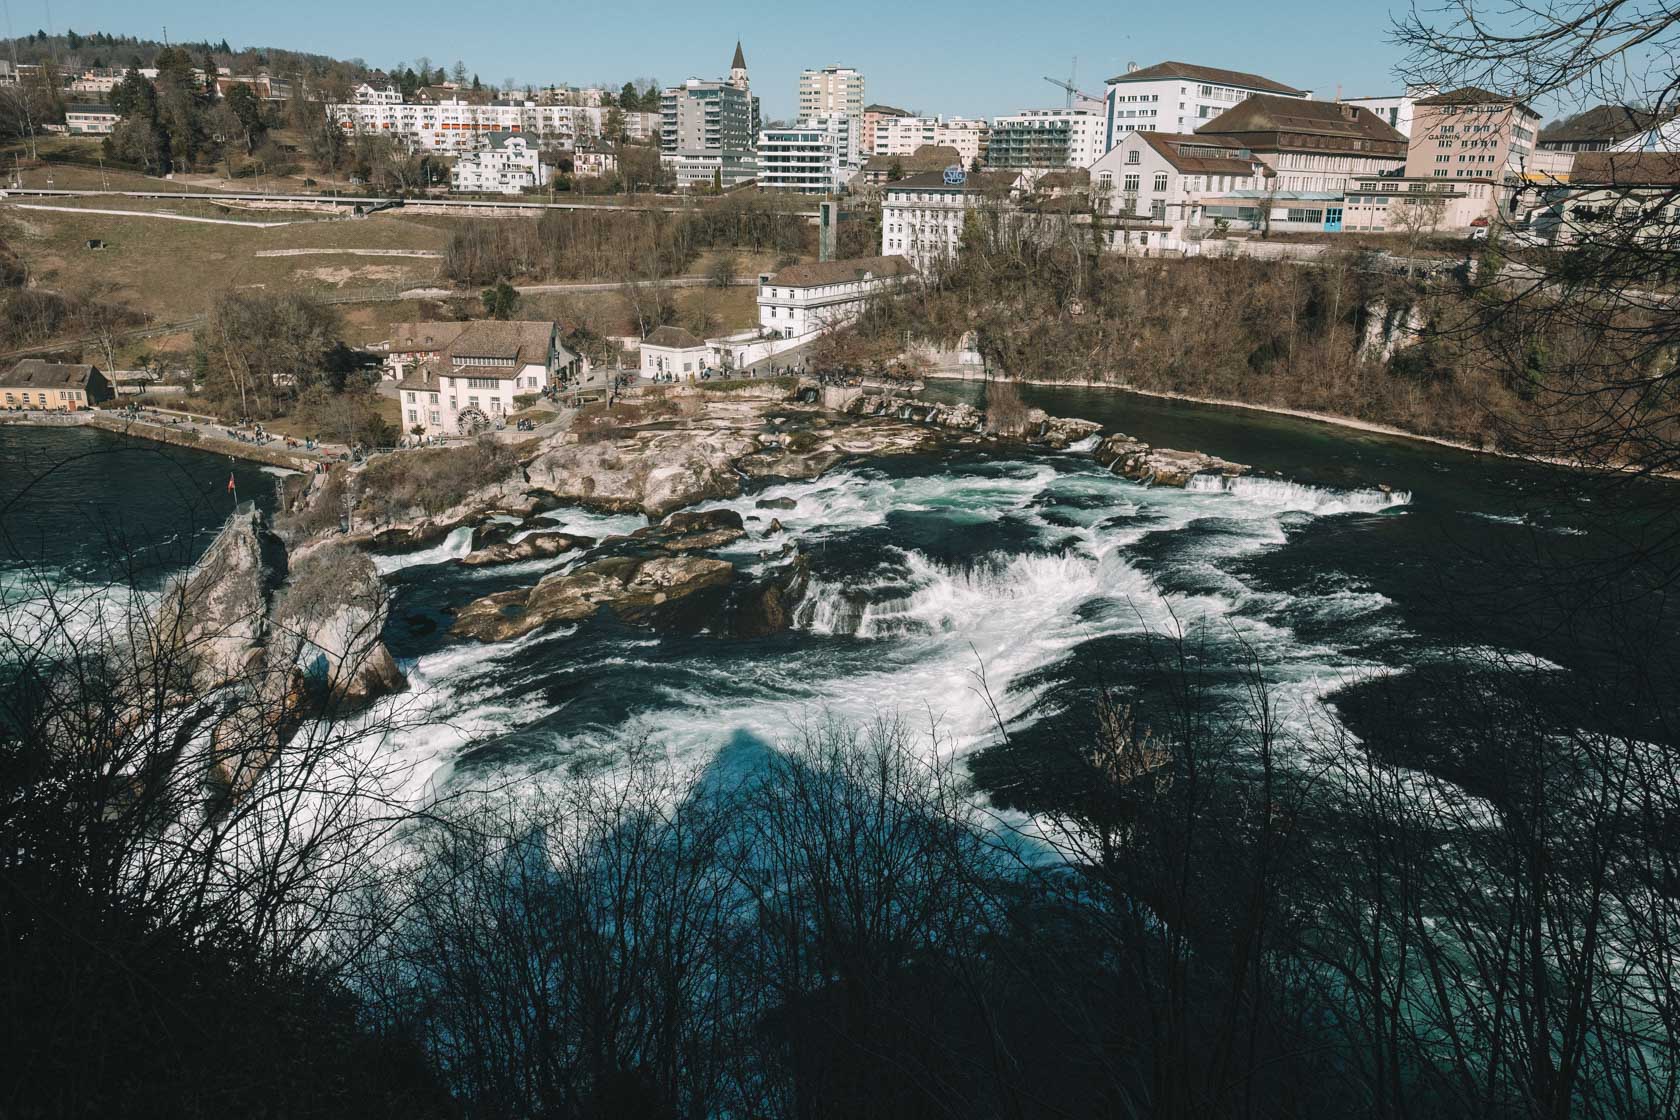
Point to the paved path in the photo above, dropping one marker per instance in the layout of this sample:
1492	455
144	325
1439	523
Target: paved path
163	217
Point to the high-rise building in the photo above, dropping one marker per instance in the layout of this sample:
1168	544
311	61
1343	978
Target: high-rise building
709	130
901	136
811	157
833	90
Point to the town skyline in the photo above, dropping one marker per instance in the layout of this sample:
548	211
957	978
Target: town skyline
977	71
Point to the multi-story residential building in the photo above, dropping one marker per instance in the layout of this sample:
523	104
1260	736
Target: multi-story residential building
90	120
805	299
873	115
709	130
1071	137
1394	110
1314	146
479	375
509	165
1178	97
1471	133
366	94
810	156
1150	186
901	136
99	81
454	124
831	91
922	216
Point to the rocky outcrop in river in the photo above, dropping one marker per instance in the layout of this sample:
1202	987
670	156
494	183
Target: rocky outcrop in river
1162	466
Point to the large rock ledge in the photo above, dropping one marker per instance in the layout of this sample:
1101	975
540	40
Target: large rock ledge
635	589
1162	466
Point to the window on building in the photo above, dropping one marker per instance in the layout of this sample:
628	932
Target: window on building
1132	158
1160	180
1130	184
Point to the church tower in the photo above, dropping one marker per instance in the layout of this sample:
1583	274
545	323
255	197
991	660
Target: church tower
738	68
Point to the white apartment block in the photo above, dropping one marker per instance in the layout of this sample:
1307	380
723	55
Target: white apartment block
479	375
810	157
510	164
1070	137
1150	184
807	299
901	136
1178	97
455	124
830	91
366	94
922	216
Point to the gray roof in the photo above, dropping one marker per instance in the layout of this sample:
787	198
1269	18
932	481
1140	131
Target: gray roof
673	338
1191	72
36	373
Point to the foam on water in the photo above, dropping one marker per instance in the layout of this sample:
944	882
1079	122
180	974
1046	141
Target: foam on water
456	545
1282	494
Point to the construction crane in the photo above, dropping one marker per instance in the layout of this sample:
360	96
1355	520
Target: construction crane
1072	90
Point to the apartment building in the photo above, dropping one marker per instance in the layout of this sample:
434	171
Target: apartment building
880	170
873	115
509	164
831	91
1178	97
479	375
808	157
1471	133
806	299
1394	110
922	215
1070	137
901	136
1313	146
709	130
453	124
1150	185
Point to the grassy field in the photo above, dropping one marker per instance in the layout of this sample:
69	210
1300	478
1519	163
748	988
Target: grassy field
174	270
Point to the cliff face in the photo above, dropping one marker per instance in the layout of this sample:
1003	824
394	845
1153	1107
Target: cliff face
268	647
216	616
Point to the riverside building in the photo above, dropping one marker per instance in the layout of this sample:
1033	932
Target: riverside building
1178	97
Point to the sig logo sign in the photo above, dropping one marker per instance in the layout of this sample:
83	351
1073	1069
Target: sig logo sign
955	176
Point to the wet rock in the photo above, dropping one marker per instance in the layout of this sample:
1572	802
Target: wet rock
492	532
534	546
330	621
408	538
1164	466
648	591
693	531
774	528
776	503
654	472
765	606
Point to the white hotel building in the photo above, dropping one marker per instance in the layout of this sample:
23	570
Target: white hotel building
1179	97
922	216
807	299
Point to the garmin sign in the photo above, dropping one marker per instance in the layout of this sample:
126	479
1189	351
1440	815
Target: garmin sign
955	176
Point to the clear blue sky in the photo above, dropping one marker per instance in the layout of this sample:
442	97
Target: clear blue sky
975	58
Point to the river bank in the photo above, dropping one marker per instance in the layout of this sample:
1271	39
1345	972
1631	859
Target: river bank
1349	423
196	436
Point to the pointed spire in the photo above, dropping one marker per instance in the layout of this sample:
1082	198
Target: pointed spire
740	62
